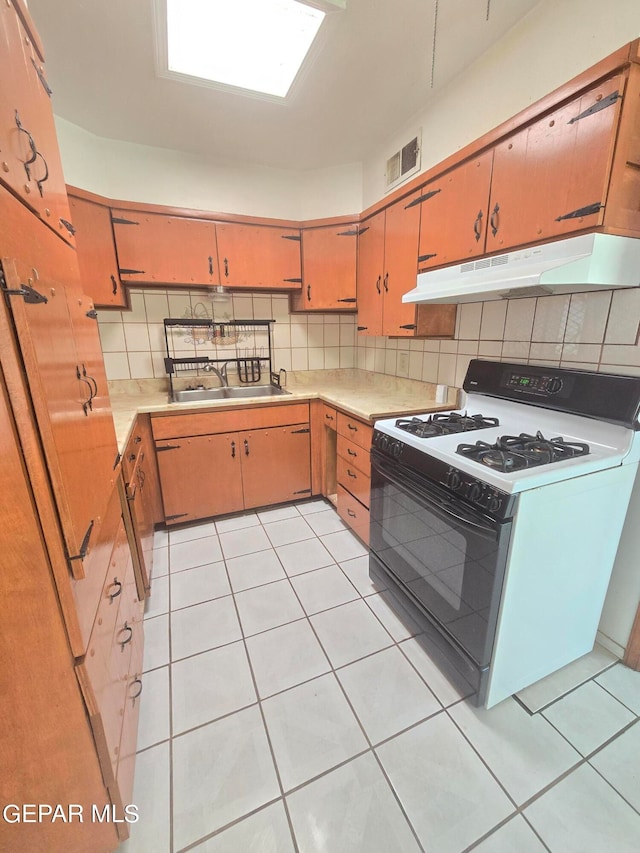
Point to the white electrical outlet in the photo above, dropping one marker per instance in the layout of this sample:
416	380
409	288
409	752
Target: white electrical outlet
403	364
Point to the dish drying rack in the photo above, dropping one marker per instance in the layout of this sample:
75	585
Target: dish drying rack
216	345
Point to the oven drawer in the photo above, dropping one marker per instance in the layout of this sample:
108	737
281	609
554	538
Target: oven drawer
354	481
354	430
355	454
353	514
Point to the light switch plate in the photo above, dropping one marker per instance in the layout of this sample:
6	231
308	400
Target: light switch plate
403	364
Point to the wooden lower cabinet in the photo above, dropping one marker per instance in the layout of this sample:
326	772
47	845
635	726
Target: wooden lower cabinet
353	513
217	472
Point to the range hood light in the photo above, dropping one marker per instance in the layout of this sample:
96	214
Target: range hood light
219	294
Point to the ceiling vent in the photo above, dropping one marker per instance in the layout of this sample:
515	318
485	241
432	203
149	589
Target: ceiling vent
404	163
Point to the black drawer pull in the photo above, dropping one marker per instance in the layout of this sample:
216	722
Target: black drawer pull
134	696
351	452
351	474
328	417
351	427
246	447
114	595
114	289
129	637
351	513
131	457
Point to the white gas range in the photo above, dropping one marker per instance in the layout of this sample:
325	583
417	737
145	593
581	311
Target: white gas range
497	527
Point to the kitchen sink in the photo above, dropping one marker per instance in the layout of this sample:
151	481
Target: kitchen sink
193	395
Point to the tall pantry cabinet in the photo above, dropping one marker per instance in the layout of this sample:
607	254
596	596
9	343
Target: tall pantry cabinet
70	616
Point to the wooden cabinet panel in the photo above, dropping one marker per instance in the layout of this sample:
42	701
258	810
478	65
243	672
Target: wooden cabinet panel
355	454
97	253
370	274
453	217
328	269
354	430
354	514
354	480
259	256
79	443
329	416
200	476
276	465
171	426
402	231
551	178
165	249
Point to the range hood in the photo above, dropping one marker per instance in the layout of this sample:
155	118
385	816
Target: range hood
574	265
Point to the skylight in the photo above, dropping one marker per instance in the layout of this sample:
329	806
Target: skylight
250	44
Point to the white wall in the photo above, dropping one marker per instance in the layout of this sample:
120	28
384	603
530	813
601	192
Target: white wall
556	41
123	170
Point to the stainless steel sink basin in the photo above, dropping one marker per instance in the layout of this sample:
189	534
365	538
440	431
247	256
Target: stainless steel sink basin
197	394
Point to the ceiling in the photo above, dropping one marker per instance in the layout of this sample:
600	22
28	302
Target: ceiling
373	67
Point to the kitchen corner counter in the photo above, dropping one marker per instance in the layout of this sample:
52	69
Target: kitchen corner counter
361	393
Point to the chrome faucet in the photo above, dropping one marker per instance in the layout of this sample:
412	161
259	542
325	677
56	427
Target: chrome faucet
221	374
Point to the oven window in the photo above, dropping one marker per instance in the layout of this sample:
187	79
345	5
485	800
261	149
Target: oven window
449	567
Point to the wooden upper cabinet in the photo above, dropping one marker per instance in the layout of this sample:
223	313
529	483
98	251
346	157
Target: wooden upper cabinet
259	257
454	217
97	253
402	230
370	273
158	249
328	269
29	157
551	178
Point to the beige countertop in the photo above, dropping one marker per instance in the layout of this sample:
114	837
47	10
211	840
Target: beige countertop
361	393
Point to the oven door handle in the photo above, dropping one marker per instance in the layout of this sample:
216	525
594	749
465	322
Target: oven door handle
479	524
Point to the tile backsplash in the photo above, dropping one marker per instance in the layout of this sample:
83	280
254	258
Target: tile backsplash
134	345
597	331
594	331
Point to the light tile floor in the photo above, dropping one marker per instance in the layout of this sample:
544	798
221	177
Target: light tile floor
286	708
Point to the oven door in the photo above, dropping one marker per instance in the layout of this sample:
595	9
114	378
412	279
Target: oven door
443	554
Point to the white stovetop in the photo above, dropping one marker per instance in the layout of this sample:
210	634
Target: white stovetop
610	445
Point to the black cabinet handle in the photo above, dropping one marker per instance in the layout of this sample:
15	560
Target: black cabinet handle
351	474
91	380
40	181
494	221
128	638
113	595
226	268
362	328
351	513
210	265
114	283
477	226
386	282
246	447
329	417
351	452
353	428
378	280
32	146
233	450
408	326
134	696
308	293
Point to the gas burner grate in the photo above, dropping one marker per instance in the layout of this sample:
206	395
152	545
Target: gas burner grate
445	423
515	452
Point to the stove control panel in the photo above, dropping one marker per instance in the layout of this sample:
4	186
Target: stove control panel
475	491
543	385
390	446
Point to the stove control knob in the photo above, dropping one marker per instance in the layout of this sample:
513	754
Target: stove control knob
454	480
554	385
384	442
475	492
494	503
396	449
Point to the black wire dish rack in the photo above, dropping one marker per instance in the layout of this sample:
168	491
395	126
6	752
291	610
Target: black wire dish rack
197	348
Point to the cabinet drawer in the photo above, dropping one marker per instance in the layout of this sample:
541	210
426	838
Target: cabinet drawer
353	514
354	430
329	416
208	423
354	481
129	736
354	454
132	452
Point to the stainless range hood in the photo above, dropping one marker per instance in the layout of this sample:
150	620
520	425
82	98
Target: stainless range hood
574	265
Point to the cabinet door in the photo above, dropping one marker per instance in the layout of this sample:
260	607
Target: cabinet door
453	217
97	253
259	257
551	178
165	249
370	272
328	269
79	443
402	230
276	465
199	477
